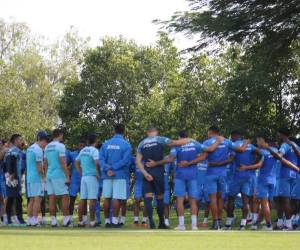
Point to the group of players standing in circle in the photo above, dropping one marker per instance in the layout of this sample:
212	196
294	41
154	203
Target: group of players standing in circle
214	172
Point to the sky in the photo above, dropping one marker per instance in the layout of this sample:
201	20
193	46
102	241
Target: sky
95	18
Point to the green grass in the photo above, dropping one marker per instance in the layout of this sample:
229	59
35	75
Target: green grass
78	239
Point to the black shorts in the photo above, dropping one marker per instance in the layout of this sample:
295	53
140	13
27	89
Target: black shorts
157	186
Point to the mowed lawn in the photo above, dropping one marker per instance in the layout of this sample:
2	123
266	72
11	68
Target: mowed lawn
86	239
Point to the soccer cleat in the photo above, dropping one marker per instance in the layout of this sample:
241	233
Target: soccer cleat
285	228
227	227
254	227
242	228
194	228
180	228
136	224
121	224
93	224
107	225
54	225
145	225
68	224
215	225
163	226
115	225
267	228
152	225
204	225
81	224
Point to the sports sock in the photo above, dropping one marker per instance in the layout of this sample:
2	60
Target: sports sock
205	220
107	221
5	220
288	223
85	219
279	222
66	220
243	222
35	220
167	223
160	211
53	220
136	219
115	220
254	217
229	221
194	220
144	220
149	208
181	220
122	219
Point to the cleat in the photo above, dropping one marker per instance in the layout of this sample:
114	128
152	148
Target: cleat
204	225
152	225
163	226
179	228
267	228
107	225
194	228
242	228
227	227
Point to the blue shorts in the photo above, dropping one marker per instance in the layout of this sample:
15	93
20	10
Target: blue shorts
215	184
265	191
202	194
167	194
75	187
183	187
276	192
115	189
2	186
243	186
35	190
89	188
138	189
285	187
56	187
296	190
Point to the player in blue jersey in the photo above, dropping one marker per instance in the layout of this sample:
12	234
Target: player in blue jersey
185	177
57	177
115	157
87	164
75	180
288	175
34	178
150	151
167	192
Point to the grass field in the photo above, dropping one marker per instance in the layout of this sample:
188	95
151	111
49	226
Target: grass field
78	239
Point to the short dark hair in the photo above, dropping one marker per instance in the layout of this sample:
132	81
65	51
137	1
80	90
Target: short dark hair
57	132
183	134
92	138
120	128
236	132
284	131
152	128
214	129
265	137
83	140
14	137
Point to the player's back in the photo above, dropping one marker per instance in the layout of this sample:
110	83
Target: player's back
53	151
87	161
34	153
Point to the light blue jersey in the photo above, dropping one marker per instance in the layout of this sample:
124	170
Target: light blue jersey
54	150
34	155
87	157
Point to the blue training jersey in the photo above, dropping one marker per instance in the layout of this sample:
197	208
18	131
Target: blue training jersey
87	157
288	153
34	156
71	158
267	173
53	151
201	172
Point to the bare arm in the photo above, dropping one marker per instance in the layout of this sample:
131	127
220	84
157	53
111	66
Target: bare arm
63	163
241	149
221	163
46	166
140	165
257	165
97	168
295	148
200	157
167	159
40	169
78	167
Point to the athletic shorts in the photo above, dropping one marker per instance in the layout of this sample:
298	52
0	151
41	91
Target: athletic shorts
157	186
127	188
285	187
56	187
138	189
215	184
183	187
167	194
276	192
265	191
115	189
100	189
295	195
202	194
243	186
89	188
2	186
75	187
35	190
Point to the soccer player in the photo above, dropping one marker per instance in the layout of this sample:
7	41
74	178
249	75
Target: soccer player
138	196
167	191
87	164
115	157
57	177
288	175
35	175
13	162
75	181
151	149
3	151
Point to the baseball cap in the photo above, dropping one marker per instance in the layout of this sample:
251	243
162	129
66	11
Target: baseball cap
42	135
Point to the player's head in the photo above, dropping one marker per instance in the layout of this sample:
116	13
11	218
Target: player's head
17	140
82	143
120	129
284	133
236	135
58	135
213	131
183	134
92	139
152	131
42	138
261	139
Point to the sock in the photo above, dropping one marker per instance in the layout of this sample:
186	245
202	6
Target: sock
194	220
279	222
107	221
181	220
44	219
115	220
167	223
144	220
122	219
205	220
229	221
249	217
254	217
53	220
84	219
29	220
243	222
288	223
35	220
66	220
5	220
149	208
71	218
160	211
136	219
